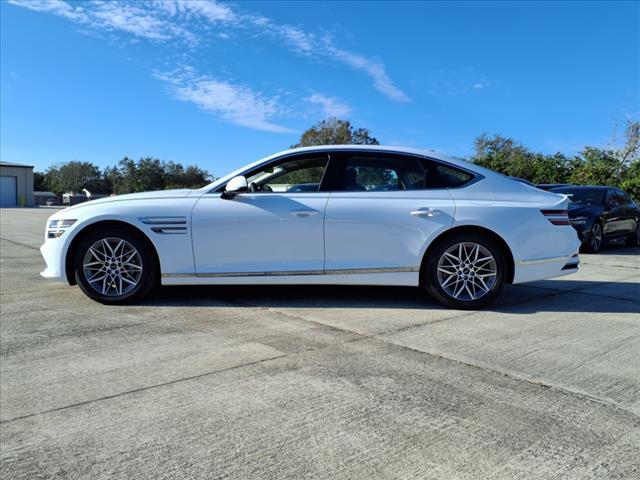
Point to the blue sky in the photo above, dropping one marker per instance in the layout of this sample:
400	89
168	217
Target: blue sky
223	84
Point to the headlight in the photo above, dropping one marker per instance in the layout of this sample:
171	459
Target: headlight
578	220
57	227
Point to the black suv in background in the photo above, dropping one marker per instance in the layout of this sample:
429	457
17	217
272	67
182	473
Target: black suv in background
601	214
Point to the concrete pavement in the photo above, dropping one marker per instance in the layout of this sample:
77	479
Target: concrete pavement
309	382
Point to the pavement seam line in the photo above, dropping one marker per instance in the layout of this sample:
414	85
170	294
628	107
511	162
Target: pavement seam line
19	244
171	382
137	390
511	375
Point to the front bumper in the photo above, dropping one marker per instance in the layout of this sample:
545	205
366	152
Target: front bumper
53	254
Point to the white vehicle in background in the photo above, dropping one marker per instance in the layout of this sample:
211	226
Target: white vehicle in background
350	215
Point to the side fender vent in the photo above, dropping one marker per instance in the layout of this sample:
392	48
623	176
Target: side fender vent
166	225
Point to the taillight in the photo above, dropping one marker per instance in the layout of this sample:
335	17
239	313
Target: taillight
557	217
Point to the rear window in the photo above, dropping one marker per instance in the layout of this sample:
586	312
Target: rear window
445	176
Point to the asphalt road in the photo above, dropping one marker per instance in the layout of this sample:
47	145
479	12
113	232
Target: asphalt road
333	382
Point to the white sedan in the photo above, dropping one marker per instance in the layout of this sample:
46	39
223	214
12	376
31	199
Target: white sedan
348	215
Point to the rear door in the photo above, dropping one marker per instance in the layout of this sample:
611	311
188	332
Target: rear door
381	213
613	215
628	223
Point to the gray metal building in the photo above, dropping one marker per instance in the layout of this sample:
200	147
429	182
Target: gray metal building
16	185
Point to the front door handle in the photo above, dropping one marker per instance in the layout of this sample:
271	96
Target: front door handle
426	212
304	213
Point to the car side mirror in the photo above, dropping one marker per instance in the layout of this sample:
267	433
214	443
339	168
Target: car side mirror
612	204
234	186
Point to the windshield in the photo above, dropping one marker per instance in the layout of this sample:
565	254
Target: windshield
582	196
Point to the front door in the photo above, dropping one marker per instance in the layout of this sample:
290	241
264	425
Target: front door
274	228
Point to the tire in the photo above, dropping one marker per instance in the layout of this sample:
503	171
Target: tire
594	239
115	265
466	285
633	240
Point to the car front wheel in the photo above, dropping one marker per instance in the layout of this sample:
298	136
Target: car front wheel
465	271
114	266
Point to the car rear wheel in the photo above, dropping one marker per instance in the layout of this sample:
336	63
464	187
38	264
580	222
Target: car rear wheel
114	266
594	240
634	239
465	271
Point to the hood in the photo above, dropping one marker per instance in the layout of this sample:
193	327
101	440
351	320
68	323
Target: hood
577	210
135	196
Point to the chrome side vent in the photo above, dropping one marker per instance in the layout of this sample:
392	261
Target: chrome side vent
166	225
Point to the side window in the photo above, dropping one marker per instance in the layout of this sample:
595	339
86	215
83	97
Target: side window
295	175
440	175
612	197
623	198
379	173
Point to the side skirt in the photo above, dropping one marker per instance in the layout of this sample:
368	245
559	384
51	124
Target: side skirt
402	277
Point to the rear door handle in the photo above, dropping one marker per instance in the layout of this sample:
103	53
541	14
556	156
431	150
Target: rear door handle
426	212
304	213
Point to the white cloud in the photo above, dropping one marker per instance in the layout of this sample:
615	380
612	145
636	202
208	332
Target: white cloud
331	106
206	9
133	19
237	104
376	70
294	37
192	20
57	7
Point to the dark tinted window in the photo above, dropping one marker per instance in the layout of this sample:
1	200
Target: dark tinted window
583	196
374	173
446	176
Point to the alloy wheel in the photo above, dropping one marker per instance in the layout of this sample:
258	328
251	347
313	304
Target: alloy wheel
112	266
467	271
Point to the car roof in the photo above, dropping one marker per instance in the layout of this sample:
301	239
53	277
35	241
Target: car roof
424	152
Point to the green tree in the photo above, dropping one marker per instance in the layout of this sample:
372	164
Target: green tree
40	183
152	174
597	166
631	182
73	176
510	157
334	131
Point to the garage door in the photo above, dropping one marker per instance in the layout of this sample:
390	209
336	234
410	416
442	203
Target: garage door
8	197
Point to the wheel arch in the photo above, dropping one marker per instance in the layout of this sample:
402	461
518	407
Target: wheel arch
502	244
88	229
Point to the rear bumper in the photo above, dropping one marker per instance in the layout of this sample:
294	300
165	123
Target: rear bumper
544	268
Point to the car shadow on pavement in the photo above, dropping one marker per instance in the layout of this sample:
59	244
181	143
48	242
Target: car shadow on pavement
549	295
618	249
